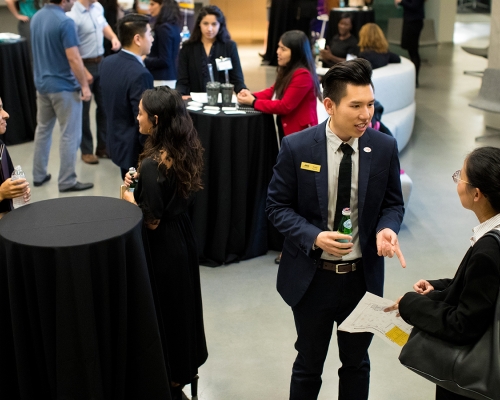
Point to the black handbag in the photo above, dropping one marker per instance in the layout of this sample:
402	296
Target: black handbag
471	370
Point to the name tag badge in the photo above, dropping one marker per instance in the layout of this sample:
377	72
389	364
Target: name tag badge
224	64
310	167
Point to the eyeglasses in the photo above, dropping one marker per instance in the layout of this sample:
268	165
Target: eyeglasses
456	178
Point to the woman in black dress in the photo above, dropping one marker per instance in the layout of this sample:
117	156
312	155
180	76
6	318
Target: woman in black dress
169	172
413	22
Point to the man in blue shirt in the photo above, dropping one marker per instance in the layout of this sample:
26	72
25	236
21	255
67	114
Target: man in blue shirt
92	27
61	86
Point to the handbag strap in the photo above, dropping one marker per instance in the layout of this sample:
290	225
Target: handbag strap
495	233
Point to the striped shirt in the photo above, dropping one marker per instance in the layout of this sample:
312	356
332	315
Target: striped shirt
486	226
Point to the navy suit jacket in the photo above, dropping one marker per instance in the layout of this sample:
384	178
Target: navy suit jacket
123	80
162	61
297	204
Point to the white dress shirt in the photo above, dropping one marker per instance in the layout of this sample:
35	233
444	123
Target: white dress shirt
89	28
139	58
334	157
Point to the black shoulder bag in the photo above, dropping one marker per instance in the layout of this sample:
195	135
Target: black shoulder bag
470	370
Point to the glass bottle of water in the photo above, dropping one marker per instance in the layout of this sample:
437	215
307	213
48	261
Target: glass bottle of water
18	173
345	225
132	173
185	34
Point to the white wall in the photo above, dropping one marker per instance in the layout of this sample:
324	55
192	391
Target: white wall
494	51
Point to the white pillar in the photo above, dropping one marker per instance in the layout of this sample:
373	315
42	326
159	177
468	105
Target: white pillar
494	51
443	12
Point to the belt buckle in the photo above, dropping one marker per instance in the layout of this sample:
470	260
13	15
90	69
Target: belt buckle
337	268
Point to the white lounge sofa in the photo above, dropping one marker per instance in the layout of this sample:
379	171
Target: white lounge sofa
395	90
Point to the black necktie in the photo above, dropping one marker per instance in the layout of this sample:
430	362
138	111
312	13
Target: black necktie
344	184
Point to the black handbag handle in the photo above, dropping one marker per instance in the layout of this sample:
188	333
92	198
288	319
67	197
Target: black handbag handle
495	233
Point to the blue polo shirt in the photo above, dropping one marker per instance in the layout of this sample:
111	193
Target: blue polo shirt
52	32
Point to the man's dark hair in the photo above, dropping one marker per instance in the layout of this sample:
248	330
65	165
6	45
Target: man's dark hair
131	25
356	72
55	1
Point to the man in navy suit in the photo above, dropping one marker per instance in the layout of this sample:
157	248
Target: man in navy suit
320	278
123	80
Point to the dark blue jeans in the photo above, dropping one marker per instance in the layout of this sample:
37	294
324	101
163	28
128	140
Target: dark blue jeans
330	298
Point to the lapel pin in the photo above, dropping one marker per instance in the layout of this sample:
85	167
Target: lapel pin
367	150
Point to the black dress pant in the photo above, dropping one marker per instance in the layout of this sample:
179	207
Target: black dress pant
330	298
410	41
87	146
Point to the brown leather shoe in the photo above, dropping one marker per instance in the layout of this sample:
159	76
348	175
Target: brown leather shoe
90	159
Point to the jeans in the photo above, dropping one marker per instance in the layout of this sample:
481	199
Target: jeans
87	145
66	107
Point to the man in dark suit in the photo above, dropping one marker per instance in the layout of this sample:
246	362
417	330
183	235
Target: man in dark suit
123	80
9	189
321	278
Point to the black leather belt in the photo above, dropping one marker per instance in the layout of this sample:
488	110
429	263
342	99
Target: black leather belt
339	267
95	60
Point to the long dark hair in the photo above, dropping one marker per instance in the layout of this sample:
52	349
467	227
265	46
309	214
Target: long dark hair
223	35
482	168
170	12
174	133
301	57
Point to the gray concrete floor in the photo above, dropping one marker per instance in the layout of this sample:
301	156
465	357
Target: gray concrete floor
250	330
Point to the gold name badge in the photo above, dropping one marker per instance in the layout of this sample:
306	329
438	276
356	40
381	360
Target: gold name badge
310	167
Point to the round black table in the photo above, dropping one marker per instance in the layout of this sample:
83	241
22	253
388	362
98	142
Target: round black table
229	213
17	90
77	318
360	16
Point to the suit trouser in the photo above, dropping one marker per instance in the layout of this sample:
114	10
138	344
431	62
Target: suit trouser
66	107
330	298
87	146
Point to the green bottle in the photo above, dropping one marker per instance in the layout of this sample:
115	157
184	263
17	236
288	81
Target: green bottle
345	226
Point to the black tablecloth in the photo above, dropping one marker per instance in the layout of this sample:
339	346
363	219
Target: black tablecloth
229	213
17	90
77	318
359	18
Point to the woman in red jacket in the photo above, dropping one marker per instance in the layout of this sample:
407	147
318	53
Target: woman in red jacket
293	96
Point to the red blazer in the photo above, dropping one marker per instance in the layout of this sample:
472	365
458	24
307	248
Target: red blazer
297	108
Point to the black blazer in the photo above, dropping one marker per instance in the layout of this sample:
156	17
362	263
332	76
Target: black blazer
190	76
123	80
378	60
162	61
297	204
459	310
6	205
